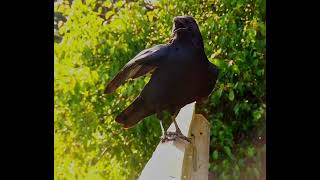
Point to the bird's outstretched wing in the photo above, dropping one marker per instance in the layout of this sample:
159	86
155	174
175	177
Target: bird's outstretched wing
146	61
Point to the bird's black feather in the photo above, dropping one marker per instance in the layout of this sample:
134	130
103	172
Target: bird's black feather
181	74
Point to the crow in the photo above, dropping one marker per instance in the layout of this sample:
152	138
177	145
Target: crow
181	74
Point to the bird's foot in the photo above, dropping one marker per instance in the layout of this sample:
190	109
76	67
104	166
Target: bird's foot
165	138
172	136
178	134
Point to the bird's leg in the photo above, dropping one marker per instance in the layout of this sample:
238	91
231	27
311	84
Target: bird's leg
162	129
164	136
177	133
176	125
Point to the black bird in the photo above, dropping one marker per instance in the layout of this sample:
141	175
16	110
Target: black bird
181	74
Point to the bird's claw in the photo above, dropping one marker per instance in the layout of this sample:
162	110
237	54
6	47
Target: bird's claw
172	136
165	138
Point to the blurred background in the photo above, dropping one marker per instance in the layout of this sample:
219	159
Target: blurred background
94	39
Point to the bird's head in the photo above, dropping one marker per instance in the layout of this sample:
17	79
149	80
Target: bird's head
188	25
185	22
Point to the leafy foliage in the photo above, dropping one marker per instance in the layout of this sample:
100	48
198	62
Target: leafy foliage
99	37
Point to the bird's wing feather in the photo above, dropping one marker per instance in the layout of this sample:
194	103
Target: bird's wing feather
144	62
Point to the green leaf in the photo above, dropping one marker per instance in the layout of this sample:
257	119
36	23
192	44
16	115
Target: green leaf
227	150
109	14
215	155
250	152
235	68
256	115
219	92
236	109
260	72
231	95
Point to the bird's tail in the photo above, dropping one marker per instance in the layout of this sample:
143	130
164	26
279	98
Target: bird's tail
133	114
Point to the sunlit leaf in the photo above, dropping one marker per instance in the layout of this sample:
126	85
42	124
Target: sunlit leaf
231	95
